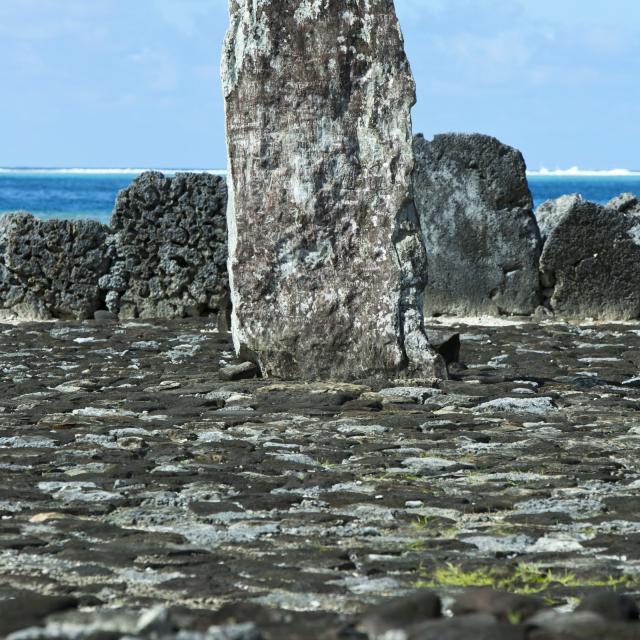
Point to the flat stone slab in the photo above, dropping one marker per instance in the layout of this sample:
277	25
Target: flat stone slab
139	489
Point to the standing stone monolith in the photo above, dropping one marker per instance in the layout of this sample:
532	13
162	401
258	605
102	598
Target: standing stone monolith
481	237
326	261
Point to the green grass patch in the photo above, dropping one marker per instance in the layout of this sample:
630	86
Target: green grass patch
524	578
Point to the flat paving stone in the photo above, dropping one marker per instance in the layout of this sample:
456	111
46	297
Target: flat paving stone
138	484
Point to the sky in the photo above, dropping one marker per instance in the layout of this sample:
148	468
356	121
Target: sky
135	83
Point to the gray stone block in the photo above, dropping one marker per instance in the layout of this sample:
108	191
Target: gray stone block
481	238
590	259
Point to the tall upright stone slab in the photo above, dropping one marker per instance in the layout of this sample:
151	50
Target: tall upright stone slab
326	260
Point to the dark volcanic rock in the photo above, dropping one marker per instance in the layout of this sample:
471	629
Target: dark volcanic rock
327	264
612	606
590	259
504	606
242	371
446	343
104	316
471	627
50	269
401	613
24	609
582	625
480	234
169	248
549	214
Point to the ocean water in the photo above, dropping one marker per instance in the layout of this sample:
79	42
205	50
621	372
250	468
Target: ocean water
597	188
66	193
90	193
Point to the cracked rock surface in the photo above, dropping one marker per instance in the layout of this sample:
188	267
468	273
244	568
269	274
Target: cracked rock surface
589	263
480	234
143	496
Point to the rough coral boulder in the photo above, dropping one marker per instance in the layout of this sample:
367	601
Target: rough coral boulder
169	247
590	259
551	213
625	202
476	213
326	262
50	269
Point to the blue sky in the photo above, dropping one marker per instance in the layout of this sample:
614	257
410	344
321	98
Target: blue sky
135	82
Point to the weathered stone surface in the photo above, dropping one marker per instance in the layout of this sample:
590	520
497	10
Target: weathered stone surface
504	606
625	202
582	625
25	609
550	213
326	261
469	627
241	371
50	269
169	247
590	262
480	234
102	315
446	343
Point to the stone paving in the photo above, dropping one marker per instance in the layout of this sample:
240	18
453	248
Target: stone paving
141	493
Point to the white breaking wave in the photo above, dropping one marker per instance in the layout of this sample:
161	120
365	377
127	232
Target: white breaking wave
576	172
103	172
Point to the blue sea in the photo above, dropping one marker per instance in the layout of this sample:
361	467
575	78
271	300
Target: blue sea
67	193
91	193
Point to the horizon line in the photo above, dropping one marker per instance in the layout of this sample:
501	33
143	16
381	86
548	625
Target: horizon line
108	170
542	172
575	171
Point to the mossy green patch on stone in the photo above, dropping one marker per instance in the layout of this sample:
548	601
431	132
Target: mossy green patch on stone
524	578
